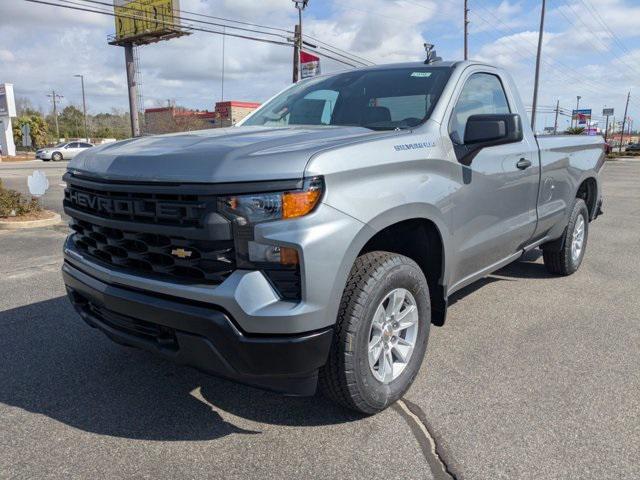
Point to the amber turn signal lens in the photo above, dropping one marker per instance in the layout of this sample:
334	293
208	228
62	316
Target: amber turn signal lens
288	256
297	204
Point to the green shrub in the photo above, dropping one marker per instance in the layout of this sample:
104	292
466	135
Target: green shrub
14	203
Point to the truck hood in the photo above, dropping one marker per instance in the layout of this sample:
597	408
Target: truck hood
236	154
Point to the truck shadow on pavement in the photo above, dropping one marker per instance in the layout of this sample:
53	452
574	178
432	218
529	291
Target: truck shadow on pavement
527	266
53	364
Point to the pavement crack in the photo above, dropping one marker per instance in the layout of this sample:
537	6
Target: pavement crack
416	419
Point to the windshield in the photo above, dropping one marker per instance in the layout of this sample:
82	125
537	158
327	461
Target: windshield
376	99
60	145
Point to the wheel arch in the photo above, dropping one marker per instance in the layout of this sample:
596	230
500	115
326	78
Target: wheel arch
396	231
588	191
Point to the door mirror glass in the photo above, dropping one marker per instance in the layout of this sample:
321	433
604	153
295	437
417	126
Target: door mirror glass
493	129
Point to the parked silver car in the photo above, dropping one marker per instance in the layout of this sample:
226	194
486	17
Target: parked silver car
62	151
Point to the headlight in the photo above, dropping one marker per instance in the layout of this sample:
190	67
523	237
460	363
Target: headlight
263	207
280	263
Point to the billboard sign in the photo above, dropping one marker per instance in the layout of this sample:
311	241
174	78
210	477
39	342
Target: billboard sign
583	117
309	65
146	21
7	102
607	112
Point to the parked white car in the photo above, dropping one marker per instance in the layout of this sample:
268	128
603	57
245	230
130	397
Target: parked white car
62	151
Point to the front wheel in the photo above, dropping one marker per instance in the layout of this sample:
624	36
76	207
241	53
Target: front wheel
56	157
567	259
381	333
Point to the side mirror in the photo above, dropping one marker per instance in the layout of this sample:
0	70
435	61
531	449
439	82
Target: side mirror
488	130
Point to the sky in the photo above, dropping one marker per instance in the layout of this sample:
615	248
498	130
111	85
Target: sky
591	48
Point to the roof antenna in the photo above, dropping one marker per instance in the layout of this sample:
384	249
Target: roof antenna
432	56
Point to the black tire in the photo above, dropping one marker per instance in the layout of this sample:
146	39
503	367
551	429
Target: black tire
56	157
560	261
347	377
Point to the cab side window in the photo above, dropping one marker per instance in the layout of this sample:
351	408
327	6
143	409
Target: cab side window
482	94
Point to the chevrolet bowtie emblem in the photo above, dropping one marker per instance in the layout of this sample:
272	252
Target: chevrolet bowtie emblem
181	253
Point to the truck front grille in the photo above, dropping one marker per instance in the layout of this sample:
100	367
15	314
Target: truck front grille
169	209
173	258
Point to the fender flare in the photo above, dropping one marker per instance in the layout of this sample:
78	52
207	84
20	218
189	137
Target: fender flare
388	218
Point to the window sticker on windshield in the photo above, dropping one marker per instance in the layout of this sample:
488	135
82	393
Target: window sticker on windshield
421	74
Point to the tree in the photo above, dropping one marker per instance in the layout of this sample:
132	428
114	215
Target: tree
38	126
71	122
574	131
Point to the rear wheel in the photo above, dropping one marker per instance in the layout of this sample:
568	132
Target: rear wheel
567	259
381	333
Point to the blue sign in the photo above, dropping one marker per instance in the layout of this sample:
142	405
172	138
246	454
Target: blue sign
582	116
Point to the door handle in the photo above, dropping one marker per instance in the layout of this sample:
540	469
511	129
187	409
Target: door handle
523	164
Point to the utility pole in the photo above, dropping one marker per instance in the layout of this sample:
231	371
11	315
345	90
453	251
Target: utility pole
466	29
297	47
296	52
555	123
537	74
624	120
133	91
606	125
54	97
84	108
222	82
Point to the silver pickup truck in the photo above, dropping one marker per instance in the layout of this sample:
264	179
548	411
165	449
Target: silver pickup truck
317	241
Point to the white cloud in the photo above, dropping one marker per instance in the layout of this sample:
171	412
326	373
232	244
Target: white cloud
6	56
504	16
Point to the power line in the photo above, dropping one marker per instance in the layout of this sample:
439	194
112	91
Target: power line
187	27
169	24
139	14
568	71
600	42
335	50
266	27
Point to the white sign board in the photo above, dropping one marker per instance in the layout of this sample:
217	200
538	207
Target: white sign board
309	65
7	102
7	110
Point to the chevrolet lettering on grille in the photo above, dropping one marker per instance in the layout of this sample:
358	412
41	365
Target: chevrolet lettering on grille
138	207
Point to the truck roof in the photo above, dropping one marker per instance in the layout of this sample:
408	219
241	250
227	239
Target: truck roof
440	64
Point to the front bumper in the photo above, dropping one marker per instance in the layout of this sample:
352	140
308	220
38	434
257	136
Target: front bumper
199	335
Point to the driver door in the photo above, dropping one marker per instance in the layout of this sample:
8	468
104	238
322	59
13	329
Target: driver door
495	211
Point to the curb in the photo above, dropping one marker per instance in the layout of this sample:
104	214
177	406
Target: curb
45	222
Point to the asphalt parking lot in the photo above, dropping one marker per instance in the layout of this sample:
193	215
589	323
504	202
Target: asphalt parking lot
532	376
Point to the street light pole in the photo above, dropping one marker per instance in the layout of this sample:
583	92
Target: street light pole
84	108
